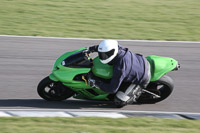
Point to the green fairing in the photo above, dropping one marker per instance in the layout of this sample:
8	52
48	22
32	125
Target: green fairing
160	66
64	56
66	75
84	94
102	70
52	77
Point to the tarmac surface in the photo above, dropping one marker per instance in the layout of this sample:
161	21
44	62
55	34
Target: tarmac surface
24	61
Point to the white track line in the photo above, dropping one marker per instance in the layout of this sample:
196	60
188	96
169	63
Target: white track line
116	111
38	114
3	114
90	39
94	113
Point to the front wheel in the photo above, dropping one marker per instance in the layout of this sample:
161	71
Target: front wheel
162	87
53	91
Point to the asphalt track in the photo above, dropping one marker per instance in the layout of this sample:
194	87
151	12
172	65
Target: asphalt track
24	61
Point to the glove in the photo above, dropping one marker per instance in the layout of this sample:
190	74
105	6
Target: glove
91	82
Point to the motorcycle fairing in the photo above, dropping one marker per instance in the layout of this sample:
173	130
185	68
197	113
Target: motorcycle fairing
66	75
102	70
160	66
58	62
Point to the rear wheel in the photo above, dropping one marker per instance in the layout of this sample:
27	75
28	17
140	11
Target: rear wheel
162	87
53	91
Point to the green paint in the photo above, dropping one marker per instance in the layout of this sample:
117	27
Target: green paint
159	67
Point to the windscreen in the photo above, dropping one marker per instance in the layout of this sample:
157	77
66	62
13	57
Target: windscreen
77	60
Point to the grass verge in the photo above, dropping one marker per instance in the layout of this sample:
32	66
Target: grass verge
97	125
117	19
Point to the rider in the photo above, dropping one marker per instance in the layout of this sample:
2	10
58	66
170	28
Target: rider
131	72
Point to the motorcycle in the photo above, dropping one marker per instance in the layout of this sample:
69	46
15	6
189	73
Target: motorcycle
70	71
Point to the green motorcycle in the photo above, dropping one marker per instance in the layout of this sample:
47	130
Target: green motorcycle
69	78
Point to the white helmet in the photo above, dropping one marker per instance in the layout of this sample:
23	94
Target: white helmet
107	50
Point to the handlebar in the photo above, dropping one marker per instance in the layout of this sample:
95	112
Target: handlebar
87	53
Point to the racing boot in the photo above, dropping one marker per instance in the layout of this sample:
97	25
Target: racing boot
130	96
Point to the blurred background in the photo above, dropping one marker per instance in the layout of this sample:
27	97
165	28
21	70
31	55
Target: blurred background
127	19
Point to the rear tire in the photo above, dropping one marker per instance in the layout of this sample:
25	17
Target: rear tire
162	87
53	91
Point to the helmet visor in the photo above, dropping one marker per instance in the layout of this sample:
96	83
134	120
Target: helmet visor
106	55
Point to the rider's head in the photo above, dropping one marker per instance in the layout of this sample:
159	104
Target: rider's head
107	50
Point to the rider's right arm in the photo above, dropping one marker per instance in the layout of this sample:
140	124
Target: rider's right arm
93	48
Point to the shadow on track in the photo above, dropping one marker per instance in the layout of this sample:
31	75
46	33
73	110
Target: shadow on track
42	104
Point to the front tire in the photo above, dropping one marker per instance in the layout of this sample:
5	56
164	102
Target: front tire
53	91
162	87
